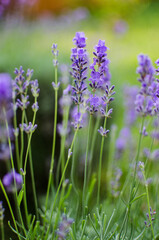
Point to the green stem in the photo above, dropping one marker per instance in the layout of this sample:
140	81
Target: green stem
57	192
61	161
25	165
16	136
148	203
33	182
86	162
32	176
22	140
73	176
100	159
10	208
93	145
132	193
53	146
111	159
2	229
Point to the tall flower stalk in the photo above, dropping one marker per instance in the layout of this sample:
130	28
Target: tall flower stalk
56	87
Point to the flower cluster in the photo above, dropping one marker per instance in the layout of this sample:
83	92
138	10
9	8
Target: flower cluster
152	213
147	101
64	226
21	86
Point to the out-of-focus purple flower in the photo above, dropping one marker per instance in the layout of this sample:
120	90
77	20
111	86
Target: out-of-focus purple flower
154	155
5	90
5	114
64	71
122	141
12	178
64	227
147	101
130	93
115	183
63	131
121	27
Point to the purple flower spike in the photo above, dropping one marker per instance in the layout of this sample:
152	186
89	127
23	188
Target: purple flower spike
101	76
79	68
9	178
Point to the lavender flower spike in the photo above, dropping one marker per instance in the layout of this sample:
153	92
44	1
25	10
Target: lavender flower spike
79	68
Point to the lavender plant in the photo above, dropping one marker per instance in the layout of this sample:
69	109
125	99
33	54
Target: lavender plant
74	207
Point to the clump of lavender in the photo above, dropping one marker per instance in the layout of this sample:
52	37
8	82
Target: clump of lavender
12	181
64	227
152	213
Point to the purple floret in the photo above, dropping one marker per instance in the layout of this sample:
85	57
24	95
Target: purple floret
8	181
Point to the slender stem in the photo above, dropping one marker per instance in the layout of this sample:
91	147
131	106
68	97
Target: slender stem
25	165
32	176
93	145
61	161
22	140
132	194
33	182
2	229
10	208
73	176
53	146
86	162
148	202
100	159
16	136
57	192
